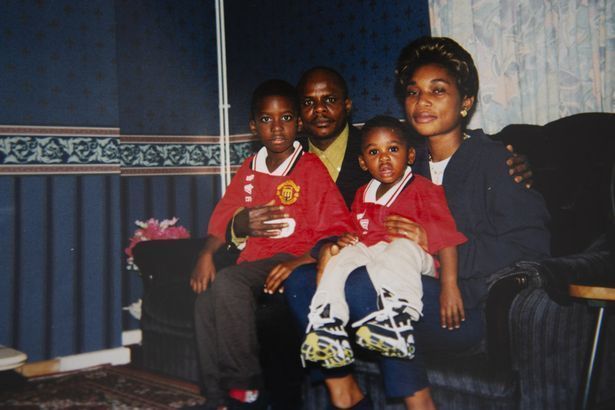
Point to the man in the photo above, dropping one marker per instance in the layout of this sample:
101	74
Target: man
325	109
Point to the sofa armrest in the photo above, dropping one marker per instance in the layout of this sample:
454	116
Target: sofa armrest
504	287
553	275
597	267
164	262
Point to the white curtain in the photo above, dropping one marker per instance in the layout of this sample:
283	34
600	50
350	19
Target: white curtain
537	60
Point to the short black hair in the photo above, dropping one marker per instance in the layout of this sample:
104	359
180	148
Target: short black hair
443	51
385	121
338	78
275	87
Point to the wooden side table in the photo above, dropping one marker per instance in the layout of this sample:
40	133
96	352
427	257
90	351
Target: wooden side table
600	297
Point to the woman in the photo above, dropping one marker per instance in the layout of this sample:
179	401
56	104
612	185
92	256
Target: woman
504	222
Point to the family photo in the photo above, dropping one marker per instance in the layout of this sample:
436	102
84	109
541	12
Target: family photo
224	204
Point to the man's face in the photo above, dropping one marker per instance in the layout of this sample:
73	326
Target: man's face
324	107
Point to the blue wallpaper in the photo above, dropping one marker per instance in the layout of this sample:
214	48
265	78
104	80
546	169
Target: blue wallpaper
58	63
167	67
127	89
359	38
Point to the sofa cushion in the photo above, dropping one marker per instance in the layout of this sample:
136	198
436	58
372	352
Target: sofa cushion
471	374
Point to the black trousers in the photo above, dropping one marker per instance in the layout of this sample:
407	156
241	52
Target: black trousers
228	317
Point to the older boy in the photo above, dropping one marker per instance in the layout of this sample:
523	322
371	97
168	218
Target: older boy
280	173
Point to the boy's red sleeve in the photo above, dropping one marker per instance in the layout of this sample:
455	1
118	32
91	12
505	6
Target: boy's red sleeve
439	222
328	206
231	201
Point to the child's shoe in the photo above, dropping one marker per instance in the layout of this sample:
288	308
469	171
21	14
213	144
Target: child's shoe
326	341
388	330
246	400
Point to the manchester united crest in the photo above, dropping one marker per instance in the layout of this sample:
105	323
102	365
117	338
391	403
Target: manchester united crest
288	192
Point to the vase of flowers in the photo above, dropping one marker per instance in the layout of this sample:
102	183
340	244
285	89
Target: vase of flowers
151	230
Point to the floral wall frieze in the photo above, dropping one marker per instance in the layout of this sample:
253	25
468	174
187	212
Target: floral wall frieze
72	150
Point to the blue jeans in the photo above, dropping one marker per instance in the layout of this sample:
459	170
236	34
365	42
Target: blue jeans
401	377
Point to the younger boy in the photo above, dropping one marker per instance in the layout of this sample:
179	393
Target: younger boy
282	174
394	266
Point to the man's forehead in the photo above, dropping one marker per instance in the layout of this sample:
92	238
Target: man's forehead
321	82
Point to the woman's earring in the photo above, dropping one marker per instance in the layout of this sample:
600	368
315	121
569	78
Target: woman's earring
464	112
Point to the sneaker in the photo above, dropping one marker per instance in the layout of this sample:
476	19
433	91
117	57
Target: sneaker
326	341
387	331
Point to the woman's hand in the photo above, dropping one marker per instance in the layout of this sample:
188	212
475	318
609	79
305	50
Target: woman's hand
519	168
203	273
254	221
400	227
451	307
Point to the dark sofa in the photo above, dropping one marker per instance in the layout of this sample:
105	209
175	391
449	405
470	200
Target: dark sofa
538	337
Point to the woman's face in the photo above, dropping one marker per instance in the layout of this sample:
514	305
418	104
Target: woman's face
433	103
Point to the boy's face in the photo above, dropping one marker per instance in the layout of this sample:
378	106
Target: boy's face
385	154
276	124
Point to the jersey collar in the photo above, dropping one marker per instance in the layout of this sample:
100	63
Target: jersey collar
259	162
369	196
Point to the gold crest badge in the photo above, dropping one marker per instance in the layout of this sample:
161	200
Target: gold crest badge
288	192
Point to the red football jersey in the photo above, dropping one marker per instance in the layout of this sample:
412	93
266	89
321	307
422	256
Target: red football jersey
302	184
415	198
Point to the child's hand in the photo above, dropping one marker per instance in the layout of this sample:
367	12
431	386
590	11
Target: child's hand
255	221
203	273
347	239
451	307
278	275
326	252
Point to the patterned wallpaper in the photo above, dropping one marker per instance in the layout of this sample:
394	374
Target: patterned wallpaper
167	67
360	38
58	63
149	67
129	87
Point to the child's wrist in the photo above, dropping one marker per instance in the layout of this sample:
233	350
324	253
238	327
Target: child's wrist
448	283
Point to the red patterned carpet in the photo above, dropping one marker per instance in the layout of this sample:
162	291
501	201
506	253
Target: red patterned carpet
105	387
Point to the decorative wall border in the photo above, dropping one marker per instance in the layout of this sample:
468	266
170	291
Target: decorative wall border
180	154
32	150
45	150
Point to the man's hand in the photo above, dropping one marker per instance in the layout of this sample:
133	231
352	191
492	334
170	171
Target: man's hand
400	227
203	273
451	307
519	168
253	221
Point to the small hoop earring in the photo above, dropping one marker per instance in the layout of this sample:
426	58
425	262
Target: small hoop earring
464	113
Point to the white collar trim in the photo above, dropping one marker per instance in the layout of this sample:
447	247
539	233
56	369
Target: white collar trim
369	196
259	163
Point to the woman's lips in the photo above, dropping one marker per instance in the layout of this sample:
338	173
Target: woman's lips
423	118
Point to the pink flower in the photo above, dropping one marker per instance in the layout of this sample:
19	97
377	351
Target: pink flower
152	229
